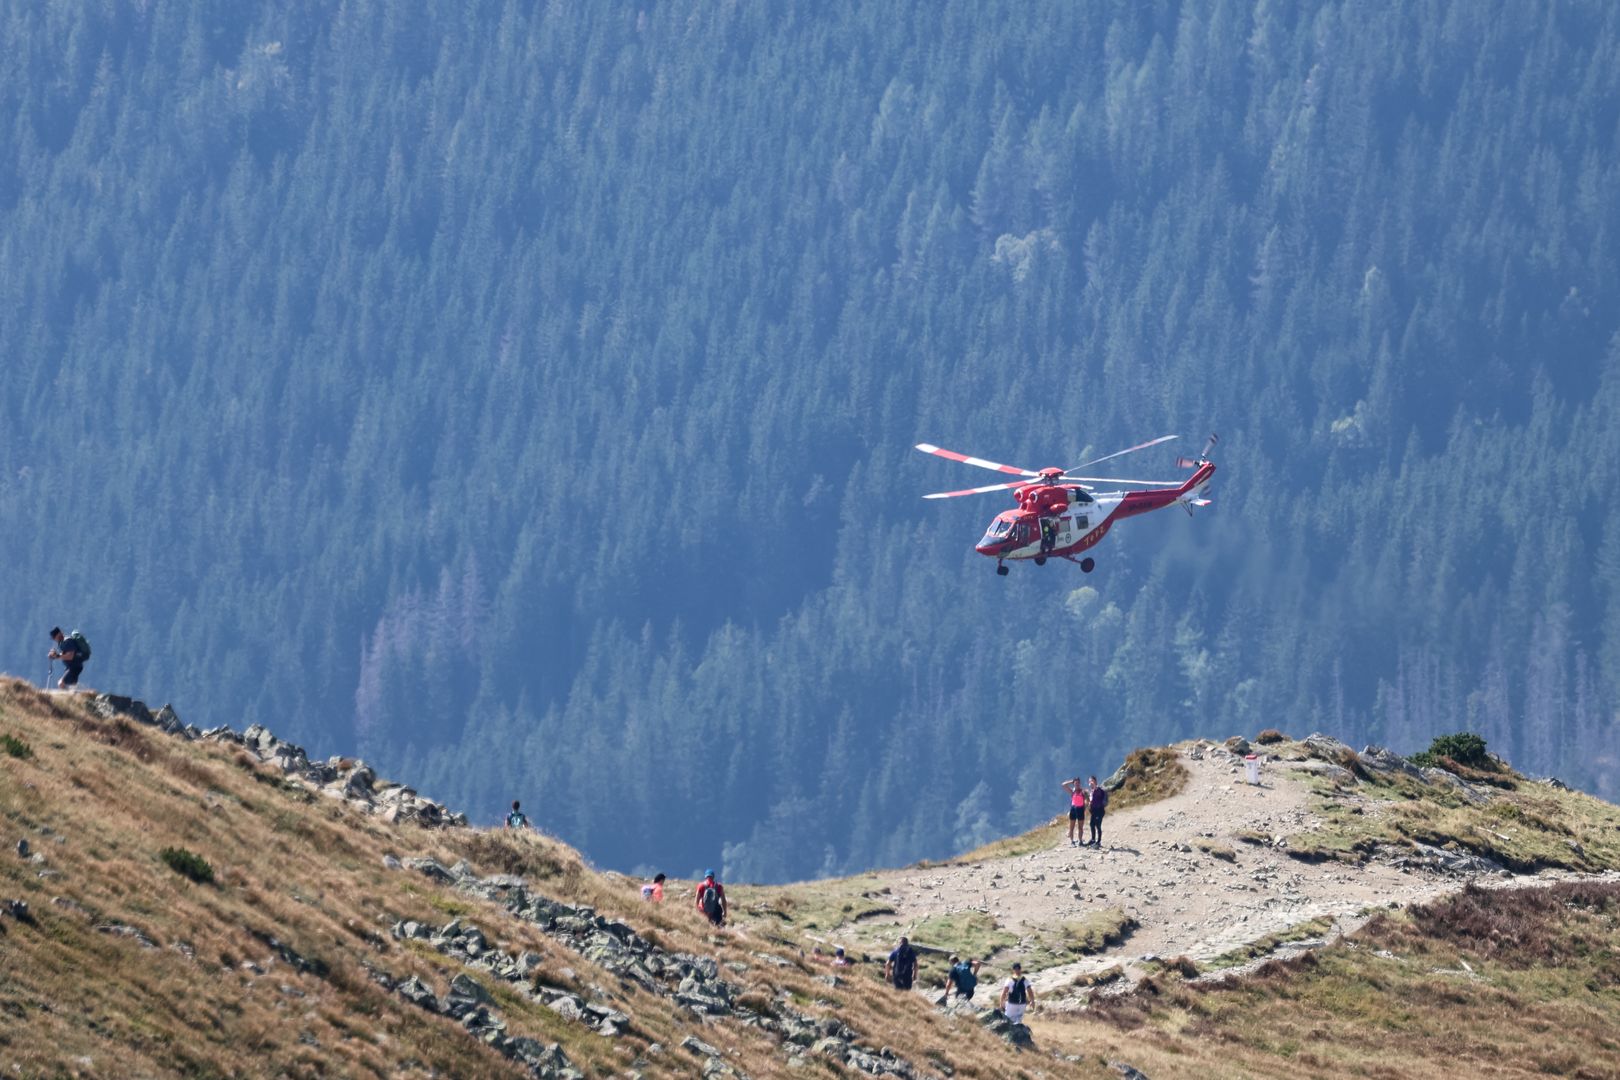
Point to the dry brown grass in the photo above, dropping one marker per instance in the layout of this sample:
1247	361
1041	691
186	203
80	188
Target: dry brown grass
100	799
1488	982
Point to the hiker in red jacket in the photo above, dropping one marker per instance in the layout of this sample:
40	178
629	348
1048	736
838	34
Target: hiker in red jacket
711	899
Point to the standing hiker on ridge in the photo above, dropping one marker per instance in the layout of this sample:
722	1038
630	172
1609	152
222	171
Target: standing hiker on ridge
73	651
516	819
711	899
1077	810
1099	804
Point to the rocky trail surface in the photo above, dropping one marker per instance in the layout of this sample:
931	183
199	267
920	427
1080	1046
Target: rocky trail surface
1190	874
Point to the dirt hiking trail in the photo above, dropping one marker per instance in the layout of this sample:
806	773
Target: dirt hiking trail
1185	901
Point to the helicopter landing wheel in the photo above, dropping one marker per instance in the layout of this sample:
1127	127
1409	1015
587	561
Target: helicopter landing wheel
1088	564
1040	560
1002	570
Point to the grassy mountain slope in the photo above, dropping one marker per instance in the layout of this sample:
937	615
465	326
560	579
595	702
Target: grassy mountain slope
295	957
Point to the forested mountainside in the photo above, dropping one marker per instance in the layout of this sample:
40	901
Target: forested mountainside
526	396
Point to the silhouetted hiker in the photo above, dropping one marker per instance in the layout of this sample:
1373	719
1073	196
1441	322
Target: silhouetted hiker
1016	995
1077	810
711	899
516	819
963	978
654	890
1099	804
901	967
73	651
839	959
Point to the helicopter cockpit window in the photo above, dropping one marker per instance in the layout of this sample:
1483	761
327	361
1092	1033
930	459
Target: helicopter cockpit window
1000	528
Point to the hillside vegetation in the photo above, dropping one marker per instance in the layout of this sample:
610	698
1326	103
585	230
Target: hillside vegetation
174	903
455	384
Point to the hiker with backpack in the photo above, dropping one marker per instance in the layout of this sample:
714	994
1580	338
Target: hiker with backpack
963	977
711	899
1016	995
516	819
73	651
653	891
1077	809
1098	798
900	970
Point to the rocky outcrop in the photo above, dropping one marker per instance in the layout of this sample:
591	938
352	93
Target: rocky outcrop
692	982
339	778
470	1005
1377	759
1462	788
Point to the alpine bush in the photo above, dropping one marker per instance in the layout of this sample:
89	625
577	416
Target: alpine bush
188	864
1464	748
16	747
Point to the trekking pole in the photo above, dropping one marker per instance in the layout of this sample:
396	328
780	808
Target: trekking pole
50	671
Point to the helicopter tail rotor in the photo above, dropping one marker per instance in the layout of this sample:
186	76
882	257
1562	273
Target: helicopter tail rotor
1203	456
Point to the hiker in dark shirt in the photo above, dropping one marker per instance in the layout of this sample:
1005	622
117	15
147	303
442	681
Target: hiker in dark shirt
517	819
1097	796
901	967
71	653
963	978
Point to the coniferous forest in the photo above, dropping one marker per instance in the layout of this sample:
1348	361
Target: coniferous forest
522	396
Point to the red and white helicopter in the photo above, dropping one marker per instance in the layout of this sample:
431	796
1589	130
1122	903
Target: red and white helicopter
1060	515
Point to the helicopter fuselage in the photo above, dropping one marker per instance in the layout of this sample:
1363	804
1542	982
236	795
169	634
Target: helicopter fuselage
1063	520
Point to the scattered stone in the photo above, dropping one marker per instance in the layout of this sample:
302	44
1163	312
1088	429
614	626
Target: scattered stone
18	909
432	868
417	993
1238	745
1445	778
1129	1072
1378	759
125	930
22	849
698	1046
391	862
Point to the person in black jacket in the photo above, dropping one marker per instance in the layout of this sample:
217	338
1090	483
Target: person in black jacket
72	656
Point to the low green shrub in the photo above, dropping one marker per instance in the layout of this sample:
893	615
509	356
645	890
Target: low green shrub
1465	748
16	747
188	864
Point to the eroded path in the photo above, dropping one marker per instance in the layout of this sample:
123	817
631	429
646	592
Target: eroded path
1185	900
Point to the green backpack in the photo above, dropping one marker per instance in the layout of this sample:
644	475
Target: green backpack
81	647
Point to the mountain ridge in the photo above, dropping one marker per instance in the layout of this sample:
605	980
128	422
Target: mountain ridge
348	926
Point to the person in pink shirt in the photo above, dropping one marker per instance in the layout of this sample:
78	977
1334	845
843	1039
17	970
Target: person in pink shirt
1077	810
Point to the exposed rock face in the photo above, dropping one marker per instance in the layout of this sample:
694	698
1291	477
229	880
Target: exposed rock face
1442	778
1329	749
1379	760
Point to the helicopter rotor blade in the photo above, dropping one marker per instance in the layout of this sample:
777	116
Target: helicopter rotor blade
1119	480
977	490
1122	453
952	455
